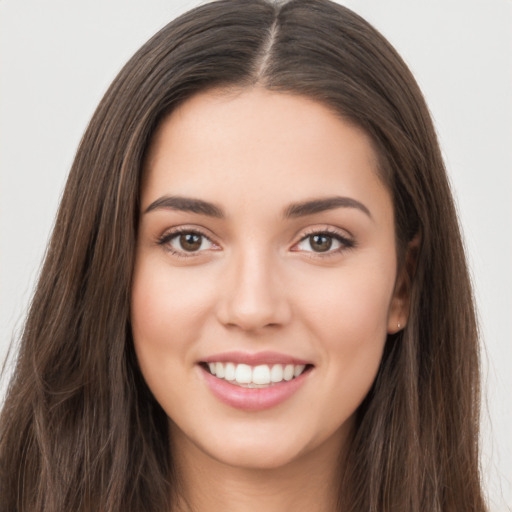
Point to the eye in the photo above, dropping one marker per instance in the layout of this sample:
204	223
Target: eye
186	242
189	242
324	242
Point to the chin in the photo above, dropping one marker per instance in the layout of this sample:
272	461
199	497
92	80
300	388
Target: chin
257	456
265	446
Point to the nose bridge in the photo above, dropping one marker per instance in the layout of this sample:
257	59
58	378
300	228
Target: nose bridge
255	296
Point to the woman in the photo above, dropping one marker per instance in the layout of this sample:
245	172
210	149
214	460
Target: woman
255	294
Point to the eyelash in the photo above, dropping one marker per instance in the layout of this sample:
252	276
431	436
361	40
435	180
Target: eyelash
168	236
345	242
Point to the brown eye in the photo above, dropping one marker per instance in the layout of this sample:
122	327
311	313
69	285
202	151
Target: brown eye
324	242
320	243
190	242
187	242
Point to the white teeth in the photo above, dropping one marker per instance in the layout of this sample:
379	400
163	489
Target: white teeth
219	370
276	374
288	372
298	369
243	374
255	376
261	374
230	371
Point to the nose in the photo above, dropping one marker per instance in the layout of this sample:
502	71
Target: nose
254	295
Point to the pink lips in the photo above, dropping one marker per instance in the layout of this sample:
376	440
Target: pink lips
254	359
253	399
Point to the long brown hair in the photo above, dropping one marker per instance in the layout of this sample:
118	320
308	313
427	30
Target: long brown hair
80	430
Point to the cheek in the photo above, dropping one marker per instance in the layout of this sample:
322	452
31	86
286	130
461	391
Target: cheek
350	306
167	314
165	306
165	318
348	316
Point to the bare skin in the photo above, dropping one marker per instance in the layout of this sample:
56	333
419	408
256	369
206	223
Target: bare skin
266	234
215	487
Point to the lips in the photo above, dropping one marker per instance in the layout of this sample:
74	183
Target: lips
254	381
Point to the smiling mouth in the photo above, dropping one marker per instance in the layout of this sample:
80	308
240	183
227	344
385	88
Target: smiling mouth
259	376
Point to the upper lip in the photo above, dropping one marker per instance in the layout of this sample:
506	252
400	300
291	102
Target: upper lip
254	359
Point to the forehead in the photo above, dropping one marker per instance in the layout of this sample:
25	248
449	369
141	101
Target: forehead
257	146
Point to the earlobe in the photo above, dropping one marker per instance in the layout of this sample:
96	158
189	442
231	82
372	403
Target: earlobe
400	302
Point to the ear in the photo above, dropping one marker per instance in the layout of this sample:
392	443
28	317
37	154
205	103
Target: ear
400	303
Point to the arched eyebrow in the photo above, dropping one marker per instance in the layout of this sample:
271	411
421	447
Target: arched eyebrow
186	204
294	210
313	206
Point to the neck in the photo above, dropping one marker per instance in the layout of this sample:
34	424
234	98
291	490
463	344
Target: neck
310	483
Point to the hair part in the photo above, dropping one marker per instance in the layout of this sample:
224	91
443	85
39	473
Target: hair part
81	431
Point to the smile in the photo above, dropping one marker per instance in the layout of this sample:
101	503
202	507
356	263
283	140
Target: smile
262	375
254	382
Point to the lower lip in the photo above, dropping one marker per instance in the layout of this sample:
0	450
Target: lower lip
253	399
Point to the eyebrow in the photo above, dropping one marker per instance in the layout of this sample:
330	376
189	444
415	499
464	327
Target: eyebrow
186	204
301	209
321	205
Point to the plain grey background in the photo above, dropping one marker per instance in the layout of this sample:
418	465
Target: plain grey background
57	57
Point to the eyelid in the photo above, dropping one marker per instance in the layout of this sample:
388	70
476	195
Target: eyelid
165	239
346	240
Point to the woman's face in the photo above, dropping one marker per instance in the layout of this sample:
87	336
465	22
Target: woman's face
264	284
